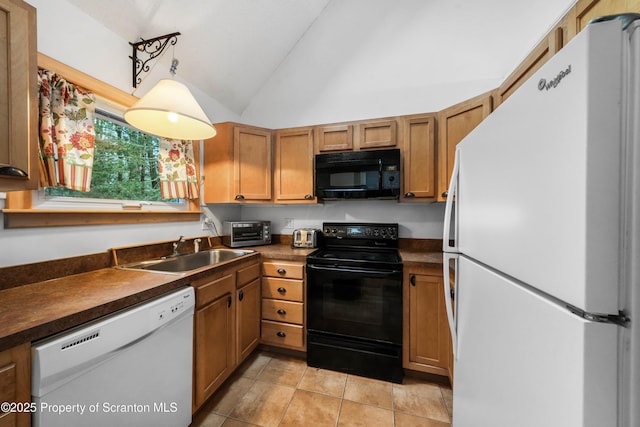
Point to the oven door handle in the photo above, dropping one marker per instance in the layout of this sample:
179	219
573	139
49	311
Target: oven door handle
355	270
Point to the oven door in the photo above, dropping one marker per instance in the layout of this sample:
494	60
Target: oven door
355	302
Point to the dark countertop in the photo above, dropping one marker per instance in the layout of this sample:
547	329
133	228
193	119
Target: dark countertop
37	310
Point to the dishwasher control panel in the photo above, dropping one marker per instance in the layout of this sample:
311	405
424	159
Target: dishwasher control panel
175	307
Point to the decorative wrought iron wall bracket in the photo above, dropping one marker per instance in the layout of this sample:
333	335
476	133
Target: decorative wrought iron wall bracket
152	47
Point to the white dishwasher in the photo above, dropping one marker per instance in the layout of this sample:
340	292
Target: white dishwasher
131	368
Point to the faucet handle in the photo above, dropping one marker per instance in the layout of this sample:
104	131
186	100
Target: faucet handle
196	245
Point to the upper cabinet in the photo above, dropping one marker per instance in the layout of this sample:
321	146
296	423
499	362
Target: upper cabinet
237	165
377	134
585	10
454	123
18	96
293	176
334	138
419	154
358	135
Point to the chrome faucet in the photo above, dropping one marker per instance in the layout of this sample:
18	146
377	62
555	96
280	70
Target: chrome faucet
176	245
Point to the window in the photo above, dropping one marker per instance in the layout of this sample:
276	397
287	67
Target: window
32	209
125	166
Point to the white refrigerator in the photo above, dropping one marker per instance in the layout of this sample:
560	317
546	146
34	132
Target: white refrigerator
542	245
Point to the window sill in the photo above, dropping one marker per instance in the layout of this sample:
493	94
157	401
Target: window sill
25	218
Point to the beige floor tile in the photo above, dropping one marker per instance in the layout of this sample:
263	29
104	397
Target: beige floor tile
354	414
264	404
311	409
228	395
235	423
447	394
407	420
207	419
323	381
421	399
283	370
369	391
254	364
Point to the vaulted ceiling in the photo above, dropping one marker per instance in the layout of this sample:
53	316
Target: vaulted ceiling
230	49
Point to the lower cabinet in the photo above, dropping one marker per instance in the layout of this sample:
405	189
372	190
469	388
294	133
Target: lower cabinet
426	343
226	325
283	304
15	384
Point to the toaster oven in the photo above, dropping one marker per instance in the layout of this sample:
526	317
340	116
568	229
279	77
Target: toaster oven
236	234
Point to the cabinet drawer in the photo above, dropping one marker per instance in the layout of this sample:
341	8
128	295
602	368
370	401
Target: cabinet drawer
214	289
285	270
247	274
286	289
282	311
283	334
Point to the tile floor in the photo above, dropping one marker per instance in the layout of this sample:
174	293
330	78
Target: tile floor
275	390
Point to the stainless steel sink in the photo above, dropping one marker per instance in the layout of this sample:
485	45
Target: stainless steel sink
189	262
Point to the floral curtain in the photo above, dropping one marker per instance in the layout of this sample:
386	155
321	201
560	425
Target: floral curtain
67	133
176	164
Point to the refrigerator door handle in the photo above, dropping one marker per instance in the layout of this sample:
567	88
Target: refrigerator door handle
450	208
449	300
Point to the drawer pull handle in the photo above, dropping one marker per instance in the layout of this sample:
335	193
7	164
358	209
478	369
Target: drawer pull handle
308	197
409	194
239	197
282	271
282	311
281	334
282	290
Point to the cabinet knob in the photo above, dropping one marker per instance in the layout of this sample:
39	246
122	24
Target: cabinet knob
282	311
308	197
282	290
281	334
412	280
241	295
409	194
229	299
239	197
445	194
282	271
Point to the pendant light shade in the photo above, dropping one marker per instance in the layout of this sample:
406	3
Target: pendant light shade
169	110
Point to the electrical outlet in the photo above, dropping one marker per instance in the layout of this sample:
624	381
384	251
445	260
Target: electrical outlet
288	223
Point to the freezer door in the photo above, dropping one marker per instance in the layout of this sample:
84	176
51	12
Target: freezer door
525	361
539	180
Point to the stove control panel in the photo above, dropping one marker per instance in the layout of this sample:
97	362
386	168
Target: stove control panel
360	231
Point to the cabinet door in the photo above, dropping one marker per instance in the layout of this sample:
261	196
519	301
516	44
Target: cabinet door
419	155
429	346
335	138
248	315
377	134
18	94
15	384
293	178
252	164
214	347
454	123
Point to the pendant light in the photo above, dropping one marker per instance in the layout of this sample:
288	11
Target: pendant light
168	110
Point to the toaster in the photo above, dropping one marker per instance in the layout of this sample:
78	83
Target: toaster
305	238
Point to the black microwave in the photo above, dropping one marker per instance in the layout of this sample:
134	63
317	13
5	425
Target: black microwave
371	174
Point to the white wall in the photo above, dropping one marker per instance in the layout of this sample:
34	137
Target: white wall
416	220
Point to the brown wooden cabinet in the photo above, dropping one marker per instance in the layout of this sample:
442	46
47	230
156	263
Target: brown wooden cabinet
377	134
238	165
293	176
426	343
338	137
226	325
214	334
18	94
419	157
283	304
586	10
454	123
248	310
15	384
